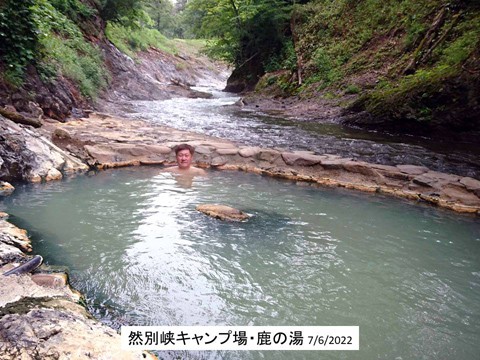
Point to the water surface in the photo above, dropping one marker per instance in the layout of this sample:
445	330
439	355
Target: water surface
218	117
134	244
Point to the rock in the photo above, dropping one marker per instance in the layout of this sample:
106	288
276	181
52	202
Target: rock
8	254
12	235
390	171
35	110
301	159
461	196
6	188
361	167
436	179
203	150
219	161
53	174
222	212
227	151
412	169
28	156
334	164
158	149
15	288
58	329
61	134
248	151
53	281
471	184
268	155
115	154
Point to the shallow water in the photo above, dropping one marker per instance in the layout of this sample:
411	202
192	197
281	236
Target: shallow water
133	242
217	117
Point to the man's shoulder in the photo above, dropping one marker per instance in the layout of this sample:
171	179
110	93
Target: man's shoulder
197	171
191	171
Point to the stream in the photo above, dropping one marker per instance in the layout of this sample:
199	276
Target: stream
219	117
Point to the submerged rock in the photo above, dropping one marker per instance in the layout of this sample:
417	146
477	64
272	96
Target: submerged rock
222	212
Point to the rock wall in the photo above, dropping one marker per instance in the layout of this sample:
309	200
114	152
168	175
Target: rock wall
26	155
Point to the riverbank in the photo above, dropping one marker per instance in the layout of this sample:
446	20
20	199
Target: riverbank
41	317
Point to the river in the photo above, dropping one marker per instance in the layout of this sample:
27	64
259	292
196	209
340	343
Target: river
219	117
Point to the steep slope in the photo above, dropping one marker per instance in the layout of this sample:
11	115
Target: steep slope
403	65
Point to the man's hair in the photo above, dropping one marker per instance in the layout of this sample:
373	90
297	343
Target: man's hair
181	147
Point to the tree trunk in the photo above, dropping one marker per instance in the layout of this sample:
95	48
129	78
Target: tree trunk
295	42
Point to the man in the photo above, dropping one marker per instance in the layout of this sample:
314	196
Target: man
184	155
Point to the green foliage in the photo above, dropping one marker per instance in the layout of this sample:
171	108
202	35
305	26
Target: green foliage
410	94
163	15
242	29
64	51
75	10
78	61
352	89
286	59
125	11
130	40
462	47
18	38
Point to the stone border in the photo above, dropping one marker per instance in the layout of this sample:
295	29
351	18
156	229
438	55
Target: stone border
104	141
417	183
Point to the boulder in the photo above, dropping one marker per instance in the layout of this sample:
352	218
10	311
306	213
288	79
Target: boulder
222	212
6	188
43	328
268	155
301	159
248	151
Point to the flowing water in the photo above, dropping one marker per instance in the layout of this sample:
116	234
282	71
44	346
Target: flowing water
219	117
133	243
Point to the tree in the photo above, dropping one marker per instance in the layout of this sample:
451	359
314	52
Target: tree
163	14
242	30
116	10
18	35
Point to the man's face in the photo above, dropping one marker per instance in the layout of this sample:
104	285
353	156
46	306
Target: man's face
184	159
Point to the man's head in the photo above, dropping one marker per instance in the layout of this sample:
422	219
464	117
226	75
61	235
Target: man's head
184	154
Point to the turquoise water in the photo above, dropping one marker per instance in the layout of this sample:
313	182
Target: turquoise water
134	244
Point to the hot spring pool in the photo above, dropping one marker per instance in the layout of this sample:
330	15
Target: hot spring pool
407	275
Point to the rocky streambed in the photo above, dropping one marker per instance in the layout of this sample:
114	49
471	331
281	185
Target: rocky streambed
41	317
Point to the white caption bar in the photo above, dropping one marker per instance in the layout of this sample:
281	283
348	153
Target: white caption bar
240	337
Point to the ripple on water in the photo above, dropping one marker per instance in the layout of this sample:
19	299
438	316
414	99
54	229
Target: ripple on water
142	254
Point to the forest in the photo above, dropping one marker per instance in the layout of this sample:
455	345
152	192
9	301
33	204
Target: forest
422	56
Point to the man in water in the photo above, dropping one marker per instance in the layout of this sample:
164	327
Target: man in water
184	155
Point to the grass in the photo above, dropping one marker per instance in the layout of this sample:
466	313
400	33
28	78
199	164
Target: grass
130	41
64	52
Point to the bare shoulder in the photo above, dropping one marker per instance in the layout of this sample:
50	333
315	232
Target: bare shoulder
172	169
192	171
197	171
